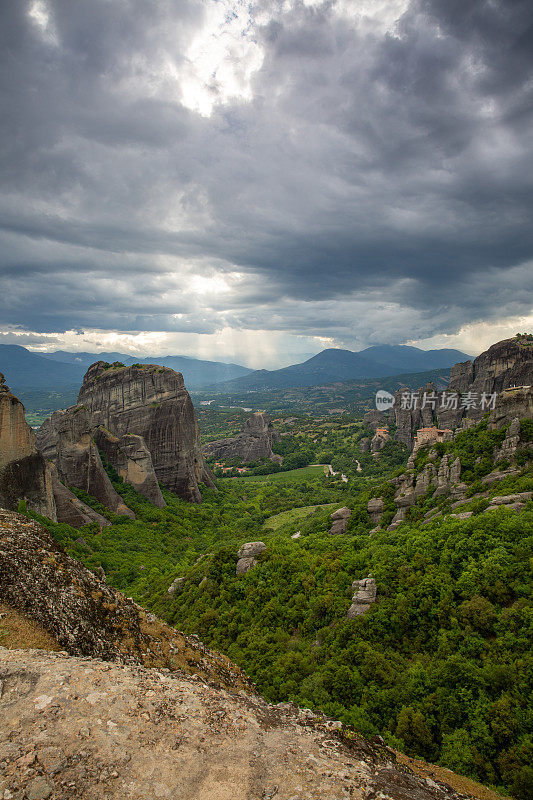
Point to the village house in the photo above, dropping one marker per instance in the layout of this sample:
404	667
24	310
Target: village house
425	436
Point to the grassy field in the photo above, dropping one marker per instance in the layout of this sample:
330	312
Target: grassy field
285	477
293	515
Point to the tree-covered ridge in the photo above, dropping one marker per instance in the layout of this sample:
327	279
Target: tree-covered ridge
441	665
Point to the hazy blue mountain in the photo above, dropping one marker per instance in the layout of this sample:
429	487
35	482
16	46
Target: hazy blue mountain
23	369
87	359
405	358
61	369
334	365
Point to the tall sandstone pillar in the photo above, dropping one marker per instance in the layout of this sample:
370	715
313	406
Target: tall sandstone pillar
151	402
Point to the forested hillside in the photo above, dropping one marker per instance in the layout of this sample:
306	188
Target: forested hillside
440	665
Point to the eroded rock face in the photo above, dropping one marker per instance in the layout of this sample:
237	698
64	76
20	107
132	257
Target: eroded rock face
131	458
505	364
176	586
375	508
247	556
364	594
511	404
510	443
66	439
505	369
151	402
23	471
375	419
340	519
70	509
254	443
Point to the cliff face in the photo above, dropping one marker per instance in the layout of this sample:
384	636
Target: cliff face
133	462
505	365
23	471
66	439
150	402
254	443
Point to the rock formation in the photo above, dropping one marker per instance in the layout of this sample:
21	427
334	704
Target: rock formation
340	519
513	403
364	444
66	439
510	443
70	509
75	725
379	440
247	556
408	418
375	419
131	458
364	594
23	471
507	363
375	508
254	443
175	586
504	370
150	402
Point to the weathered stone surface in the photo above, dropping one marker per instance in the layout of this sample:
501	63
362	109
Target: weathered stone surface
339	519
151	402
245	565
96	730
253	443
508	507
131	458
71	510
399	517
510	443
341	513
175	586
364	594
455	470
23	471
425	479
375	509
520	497
379	440
499	475
505	369
375	419
511	404
338	527
251	549
66	439
507	363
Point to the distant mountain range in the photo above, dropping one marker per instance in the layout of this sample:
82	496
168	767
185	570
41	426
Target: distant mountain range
62	371
334	365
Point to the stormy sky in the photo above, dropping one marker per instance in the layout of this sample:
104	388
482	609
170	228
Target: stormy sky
255	181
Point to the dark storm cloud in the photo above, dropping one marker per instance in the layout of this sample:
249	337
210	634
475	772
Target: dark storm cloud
375	169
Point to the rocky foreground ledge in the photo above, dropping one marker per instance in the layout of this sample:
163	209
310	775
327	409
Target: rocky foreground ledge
81	727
